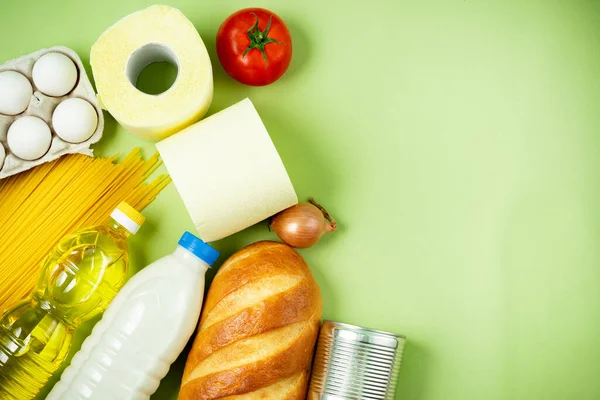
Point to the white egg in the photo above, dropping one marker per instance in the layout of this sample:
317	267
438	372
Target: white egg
75	120
54	74
2	155
15	93
29	138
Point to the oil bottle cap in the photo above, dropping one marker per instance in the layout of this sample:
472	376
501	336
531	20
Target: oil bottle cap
198	248
128	217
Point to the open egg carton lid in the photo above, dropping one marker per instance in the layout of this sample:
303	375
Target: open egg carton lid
43	106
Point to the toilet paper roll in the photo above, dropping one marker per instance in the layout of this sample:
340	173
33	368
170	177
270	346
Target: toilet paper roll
228	172
156	34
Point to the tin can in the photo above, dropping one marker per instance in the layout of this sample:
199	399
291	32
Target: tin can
355	363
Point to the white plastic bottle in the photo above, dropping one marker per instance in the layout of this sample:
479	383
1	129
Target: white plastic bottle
143	330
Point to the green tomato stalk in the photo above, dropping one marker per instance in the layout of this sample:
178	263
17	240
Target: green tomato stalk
259	39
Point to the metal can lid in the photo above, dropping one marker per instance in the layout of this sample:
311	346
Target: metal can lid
364	335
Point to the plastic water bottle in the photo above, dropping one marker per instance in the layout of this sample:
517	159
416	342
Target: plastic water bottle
143	331
79	279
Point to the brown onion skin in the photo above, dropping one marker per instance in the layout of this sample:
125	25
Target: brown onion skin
301	226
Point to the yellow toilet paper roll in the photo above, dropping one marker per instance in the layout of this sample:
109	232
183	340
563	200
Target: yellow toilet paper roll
156	34
228	172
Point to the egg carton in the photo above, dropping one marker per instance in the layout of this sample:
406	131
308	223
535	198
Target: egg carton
42	106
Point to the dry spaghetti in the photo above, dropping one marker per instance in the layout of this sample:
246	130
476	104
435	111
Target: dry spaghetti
40	206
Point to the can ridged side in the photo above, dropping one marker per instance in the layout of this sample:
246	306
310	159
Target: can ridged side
353	363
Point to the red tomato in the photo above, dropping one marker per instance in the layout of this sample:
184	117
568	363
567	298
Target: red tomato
254	46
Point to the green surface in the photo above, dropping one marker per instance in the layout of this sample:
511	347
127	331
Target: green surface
457	144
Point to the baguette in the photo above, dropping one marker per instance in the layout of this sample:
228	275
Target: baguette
258	329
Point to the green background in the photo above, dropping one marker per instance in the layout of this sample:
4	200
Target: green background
457	144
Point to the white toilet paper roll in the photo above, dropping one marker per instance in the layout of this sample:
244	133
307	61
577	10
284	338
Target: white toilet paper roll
228	172
156	34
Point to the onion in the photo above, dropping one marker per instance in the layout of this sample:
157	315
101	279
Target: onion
302	225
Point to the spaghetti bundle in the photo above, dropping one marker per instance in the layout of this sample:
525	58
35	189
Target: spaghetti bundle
40	206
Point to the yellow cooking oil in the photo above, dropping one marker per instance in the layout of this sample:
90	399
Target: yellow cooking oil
79	279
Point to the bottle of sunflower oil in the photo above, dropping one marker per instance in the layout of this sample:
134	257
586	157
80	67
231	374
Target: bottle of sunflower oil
79	279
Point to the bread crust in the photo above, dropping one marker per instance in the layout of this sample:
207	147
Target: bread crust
271	376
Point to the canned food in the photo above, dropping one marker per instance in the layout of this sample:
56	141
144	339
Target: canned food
355	363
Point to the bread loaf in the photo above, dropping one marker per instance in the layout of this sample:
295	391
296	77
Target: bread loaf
258	328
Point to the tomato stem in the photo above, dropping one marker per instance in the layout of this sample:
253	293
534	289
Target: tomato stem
259	39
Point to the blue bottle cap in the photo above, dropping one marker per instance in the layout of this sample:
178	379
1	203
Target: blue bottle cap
198	248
